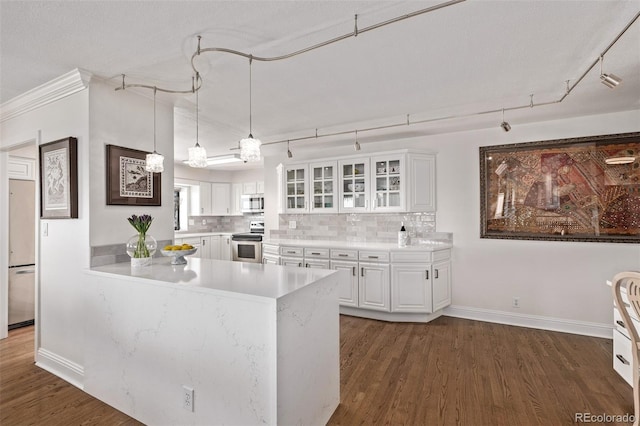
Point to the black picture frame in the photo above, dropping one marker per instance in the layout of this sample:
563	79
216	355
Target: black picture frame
562	190
59	179
128	183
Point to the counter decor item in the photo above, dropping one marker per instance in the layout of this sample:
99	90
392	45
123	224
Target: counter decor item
141	247
178	252
402	236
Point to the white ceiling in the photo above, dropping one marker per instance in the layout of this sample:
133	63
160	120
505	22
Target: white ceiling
470	57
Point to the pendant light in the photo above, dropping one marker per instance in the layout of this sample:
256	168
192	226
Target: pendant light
249	146
197	154
154	162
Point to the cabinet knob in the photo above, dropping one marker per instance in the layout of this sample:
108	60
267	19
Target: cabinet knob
620	323
353	268
622	360
362	271
426	277
436	274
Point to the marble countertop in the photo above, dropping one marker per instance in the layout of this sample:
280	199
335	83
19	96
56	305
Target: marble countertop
199	234
248	279
354	245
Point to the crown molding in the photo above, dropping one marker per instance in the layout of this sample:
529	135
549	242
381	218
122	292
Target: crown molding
56	89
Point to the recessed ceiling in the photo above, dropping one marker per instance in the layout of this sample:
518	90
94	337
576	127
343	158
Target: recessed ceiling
469	57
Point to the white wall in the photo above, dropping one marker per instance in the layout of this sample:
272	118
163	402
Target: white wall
125	118
560	280
182	171
65	252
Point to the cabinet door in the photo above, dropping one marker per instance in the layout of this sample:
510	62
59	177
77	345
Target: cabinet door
236	199
205	248
225	247
249	188
324	187
316	263
373	287
441	285
411	288
195	242
422	188
220	199
260	187
354	185
295	181
292	261
204	199
214	247
388	182
347	291
270	259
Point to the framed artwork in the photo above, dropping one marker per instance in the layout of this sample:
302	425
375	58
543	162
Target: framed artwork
59	179
580	189
128	183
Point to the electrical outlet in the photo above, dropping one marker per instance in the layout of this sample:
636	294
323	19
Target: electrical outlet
187	398
204	221
292	224
516	302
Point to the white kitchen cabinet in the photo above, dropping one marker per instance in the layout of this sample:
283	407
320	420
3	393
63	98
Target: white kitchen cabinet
194	241
220	199
205	248
354	185
249	188
348	291
441	285
214	247
411	288
388	181
270	259
421	190
316	263
373	286
296	188
225	247
323	187
202	202
260	187
292	261
236	199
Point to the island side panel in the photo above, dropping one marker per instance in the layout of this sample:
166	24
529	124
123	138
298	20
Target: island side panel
145	341
309	352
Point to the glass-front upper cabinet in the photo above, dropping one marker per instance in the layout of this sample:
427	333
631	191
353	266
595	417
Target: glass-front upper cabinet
354	184
295	177
388	183
324	187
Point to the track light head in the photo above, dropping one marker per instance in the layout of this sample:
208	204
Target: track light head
610	80
505	126
356	144
289	153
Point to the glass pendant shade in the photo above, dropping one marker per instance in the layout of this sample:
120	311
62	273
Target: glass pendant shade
154	163
250	149
197	156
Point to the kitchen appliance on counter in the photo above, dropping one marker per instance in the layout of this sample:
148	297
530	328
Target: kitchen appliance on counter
252	204
22	211
247	247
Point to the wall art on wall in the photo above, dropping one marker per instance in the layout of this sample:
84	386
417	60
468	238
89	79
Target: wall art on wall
128	183
59	179
580	189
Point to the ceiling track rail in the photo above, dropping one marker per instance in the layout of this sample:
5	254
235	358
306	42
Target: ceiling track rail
354	33
531	104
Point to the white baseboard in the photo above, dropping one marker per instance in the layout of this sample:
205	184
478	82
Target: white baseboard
532	321
389	316
61	367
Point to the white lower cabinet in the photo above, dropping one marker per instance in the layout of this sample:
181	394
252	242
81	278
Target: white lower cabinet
410	290
214	246
373	286
348	291
270	259
225	247
292	261
209	247
441	284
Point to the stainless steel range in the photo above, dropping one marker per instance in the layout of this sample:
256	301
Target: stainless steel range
247	247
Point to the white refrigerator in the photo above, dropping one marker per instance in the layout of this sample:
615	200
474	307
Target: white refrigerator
22	254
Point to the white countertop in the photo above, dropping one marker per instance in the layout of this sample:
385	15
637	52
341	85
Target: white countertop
357	245
253	279
199	234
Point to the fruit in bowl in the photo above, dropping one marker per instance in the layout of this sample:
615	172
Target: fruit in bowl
178	247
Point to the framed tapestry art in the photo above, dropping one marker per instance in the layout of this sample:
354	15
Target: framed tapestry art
128	183
59	179
580	189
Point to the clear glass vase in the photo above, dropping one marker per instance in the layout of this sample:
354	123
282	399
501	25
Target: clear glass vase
141	246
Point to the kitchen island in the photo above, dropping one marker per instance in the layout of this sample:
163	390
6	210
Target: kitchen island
213	342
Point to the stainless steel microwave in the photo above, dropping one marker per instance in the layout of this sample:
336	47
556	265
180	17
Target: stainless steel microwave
252	203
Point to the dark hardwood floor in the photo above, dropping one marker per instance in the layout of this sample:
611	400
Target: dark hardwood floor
448	372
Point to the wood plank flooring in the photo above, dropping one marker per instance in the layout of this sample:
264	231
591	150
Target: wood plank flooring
448	372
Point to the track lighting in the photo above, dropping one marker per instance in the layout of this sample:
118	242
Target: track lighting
197	154
250	146
289	154
610	80
154	162
505	126
356	145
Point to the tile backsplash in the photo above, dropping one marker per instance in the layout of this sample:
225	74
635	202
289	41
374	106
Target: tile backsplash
220	223
358	227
